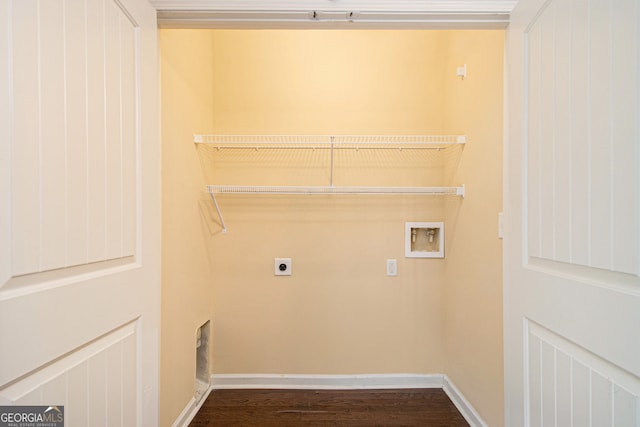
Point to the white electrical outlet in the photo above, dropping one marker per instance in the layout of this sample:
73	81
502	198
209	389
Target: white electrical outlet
392	267
282	266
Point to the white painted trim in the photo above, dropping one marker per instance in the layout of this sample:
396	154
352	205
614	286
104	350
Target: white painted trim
466	409
487	6
327	382
190	411
343	19
387	14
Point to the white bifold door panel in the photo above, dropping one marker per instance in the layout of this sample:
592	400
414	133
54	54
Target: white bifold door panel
572	221
79	197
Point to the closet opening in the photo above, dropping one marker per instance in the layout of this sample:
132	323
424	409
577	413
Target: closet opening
339	313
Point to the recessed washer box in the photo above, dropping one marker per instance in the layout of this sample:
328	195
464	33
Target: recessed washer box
282	266
424	240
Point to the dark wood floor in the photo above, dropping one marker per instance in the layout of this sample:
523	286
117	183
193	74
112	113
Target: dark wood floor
405	407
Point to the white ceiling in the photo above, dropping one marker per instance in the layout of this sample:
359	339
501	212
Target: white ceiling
333	13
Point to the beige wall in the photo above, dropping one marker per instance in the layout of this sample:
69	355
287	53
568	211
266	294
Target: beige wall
186	273
328	82
338	313
473	266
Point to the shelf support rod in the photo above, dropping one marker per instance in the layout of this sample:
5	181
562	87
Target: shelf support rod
215	203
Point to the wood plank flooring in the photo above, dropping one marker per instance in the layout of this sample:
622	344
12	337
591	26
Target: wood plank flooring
288	408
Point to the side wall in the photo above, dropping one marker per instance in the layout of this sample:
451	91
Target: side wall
186	67
473	266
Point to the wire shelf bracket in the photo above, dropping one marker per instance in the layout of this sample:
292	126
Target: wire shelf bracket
215	203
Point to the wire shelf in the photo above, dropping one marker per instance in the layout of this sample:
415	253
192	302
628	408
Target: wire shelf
330	142
241	189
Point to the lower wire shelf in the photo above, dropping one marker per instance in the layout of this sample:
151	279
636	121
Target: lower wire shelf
240	189
311	190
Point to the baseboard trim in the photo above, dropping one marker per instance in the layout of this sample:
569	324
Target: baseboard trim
190	411
237	381
334	382
466	409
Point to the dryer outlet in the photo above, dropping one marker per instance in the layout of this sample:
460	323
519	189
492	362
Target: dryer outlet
282	267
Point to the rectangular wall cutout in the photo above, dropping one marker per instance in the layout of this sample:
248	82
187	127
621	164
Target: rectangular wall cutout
424	240
202	360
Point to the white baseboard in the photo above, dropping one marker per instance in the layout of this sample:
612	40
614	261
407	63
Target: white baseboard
190	411
334	382
468	412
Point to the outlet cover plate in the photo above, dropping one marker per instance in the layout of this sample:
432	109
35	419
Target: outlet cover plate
282	266
392	267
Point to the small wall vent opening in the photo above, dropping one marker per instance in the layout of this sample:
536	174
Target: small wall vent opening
202	361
